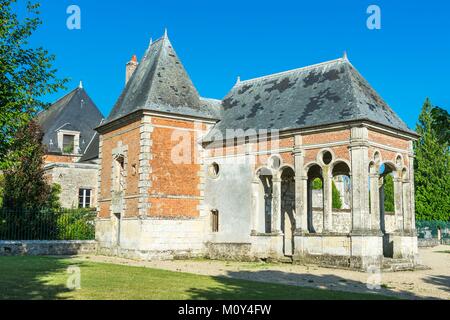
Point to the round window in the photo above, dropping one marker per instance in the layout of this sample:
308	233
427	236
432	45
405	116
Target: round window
213	170
327	157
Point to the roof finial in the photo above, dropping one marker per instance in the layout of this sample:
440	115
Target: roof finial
151	41
238	80
80	85
165	33
345	57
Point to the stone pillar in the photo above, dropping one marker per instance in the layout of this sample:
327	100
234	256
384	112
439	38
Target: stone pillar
382	216
406	206
398	202
276	204
301	185
374	201
255	206
359	153
309	206
411	188
327	199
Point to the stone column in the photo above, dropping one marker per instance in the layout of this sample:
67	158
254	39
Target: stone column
411	188
327	199
382	215
374	202
359	153
309	206
301	185
406	206
255	206
398	202
276	204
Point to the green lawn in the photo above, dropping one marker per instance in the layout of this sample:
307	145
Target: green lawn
46	277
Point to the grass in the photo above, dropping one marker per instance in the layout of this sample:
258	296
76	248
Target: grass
46	277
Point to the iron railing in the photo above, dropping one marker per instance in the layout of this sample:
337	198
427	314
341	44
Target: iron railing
47	224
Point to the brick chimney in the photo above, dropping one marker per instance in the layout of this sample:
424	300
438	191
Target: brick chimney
130	68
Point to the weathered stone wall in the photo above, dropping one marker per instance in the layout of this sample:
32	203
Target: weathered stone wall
72	177
152	238
37	248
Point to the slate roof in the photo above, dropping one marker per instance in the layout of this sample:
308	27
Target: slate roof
92	149
75	112
326	93
160	83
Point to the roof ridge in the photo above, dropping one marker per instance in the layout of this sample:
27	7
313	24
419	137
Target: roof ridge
278	74
157	59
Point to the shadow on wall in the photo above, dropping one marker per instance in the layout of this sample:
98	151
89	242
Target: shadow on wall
304	287
30	283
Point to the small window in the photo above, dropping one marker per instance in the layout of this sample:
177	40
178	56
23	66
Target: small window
84	198
68	143
215	221
327	157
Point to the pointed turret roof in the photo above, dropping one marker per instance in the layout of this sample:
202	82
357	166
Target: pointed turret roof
75	112
160	83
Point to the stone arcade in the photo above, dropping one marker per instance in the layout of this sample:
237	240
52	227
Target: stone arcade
244	197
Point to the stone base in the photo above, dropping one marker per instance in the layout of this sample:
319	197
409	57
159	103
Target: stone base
339	250
405	247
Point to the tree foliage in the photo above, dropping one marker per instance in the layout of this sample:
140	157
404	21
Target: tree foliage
25	182
432	165
26	75
389	193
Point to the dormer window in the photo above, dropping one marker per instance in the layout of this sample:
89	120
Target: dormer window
68	143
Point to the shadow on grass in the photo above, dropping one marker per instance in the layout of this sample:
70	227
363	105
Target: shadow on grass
22	278
296	287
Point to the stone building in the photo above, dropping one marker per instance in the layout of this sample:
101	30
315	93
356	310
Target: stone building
71	142
182	175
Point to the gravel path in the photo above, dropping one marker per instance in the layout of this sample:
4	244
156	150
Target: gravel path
423	284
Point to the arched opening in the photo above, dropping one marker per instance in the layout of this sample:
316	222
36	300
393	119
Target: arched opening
288	209
265	200
341	186
387	206
315	199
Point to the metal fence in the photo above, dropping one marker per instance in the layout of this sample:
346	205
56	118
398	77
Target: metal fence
433	229
45	224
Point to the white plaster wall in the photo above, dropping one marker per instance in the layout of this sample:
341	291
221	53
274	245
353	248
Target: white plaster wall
231	194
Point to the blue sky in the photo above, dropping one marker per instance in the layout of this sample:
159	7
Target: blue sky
405	61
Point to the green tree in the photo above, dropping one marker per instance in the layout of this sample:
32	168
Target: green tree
432	169
2	187
25	184
337	202
389	193
441	124
26	75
